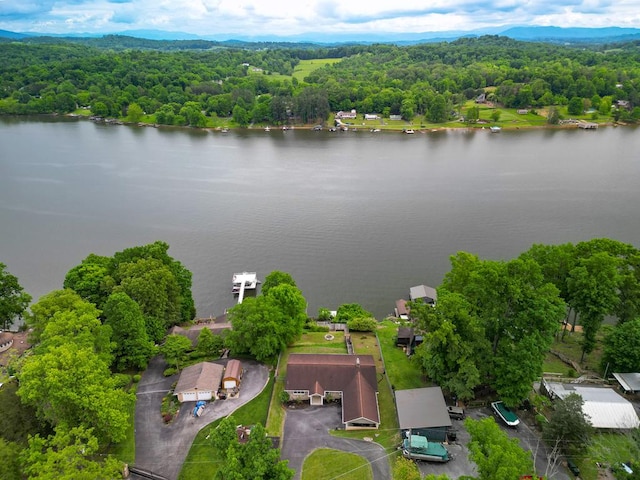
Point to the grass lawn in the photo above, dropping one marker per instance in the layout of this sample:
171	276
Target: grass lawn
305	67
553	364
403	372
203	460
327	464
125	451
571	347
607	448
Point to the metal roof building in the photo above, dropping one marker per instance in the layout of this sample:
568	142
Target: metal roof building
604	406
630	382
423	410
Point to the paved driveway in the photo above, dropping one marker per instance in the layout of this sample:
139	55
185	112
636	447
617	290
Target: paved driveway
162	448
308	428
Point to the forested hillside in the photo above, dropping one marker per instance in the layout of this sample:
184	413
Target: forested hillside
190	87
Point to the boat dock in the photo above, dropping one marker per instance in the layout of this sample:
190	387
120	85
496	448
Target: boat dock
243	281
587	125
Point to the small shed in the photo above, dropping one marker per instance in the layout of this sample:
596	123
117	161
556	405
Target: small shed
232	376
405	337
199	382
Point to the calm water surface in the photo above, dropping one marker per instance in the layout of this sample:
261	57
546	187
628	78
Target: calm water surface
354	217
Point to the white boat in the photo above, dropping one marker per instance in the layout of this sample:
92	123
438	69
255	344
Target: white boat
249	279
495	129
505	414
267	129
409	131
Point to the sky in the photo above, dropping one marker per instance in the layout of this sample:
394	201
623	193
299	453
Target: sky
296	17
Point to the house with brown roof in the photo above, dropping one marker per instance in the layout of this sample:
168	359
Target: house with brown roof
232	377
321	378
199	382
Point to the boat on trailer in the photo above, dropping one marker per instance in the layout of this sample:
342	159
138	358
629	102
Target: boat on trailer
417	447
505	413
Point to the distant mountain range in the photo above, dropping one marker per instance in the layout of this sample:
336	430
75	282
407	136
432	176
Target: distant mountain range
526	33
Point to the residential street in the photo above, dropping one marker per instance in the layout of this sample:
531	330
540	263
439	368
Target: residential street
308	428
162	448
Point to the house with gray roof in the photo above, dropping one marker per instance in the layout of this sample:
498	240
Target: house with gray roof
423	293
630	382
320	378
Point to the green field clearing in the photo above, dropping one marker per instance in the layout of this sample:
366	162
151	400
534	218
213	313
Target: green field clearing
403	371
327	464
305	67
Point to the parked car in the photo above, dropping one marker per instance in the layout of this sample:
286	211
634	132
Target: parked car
456	412
573	467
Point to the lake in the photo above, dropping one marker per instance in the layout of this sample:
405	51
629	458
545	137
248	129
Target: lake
353	216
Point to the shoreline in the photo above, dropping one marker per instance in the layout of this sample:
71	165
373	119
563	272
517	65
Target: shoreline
352	128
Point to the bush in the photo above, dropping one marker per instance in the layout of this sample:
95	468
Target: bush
136	378
284	397
362	325
122	379
314	327
170	371
541	420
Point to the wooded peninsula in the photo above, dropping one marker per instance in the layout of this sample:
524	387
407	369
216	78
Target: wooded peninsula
467	82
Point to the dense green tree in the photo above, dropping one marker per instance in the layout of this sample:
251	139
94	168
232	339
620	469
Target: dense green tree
209	345
175	349
53	303
405	469
69	455
91	279
134	113
70	386
593	288
132	346
291	303
437	112
17	421
455	351
254	460
519	312
350	311
497	456
362	324
13	299
621	352
575	107
9	460
568	426
276	278
260	328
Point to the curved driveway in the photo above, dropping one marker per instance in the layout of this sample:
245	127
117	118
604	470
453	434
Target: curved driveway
308	429
162	448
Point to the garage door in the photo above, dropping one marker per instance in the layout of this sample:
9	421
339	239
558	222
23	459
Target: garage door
189	396
204	395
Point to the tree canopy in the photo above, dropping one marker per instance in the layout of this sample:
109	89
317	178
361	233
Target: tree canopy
13	299
254	460
501	323
264	325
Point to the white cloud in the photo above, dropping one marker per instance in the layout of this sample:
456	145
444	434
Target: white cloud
279	17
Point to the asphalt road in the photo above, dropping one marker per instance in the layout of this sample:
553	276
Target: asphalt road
308	428
162	448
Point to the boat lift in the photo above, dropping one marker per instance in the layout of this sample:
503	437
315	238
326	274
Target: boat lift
243	281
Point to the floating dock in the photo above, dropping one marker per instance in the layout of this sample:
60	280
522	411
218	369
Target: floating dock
243	281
